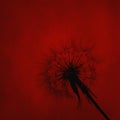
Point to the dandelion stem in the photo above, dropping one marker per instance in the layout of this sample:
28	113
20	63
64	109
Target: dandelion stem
86	91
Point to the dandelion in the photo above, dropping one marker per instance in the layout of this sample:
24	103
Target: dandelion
70	69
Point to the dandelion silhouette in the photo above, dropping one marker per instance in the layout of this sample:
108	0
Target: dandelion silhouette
72	67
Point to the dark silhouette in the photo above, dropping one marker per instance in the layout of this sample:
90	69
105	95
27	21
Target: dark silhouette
72	66
71	74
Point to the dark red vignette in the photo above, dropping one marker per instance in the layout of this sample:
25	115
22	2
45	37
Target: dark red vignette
26	26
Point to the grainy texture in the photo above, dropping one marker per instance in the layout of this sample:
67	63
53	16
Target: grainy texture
28	28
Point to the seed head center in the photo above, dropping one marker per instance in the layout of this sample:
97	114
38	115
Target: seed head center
70	72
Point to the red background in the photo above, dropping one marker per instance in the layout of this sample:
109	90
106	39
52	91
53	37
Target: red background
28	28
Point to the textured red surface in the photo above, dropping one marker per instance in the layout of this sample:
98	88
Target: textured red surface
28	28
